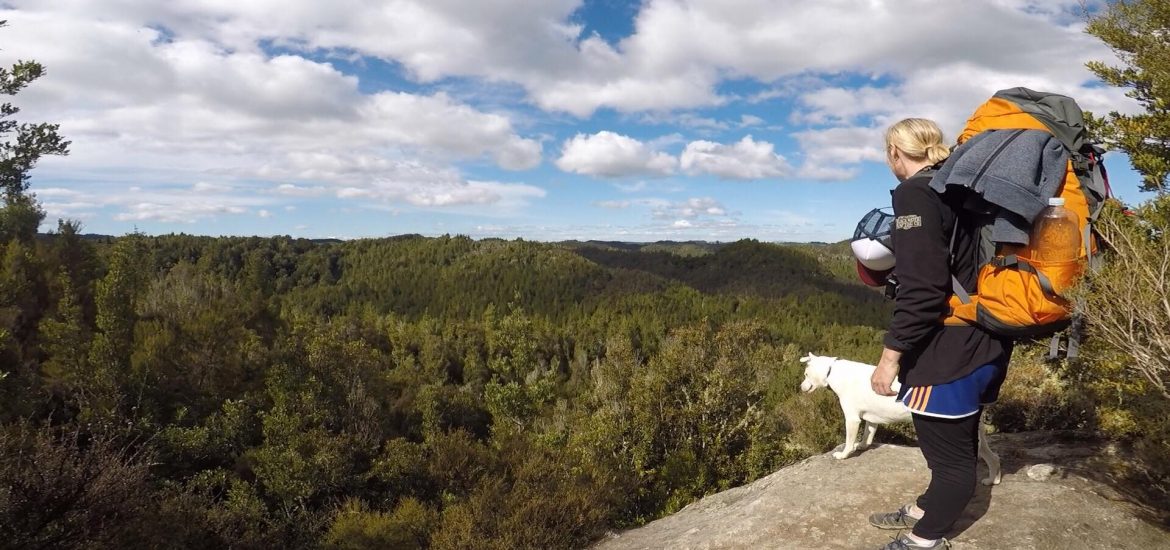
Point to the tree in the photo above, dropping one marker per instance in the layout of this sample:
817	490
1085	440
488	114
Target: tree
1125	304
1138	31
22	146
115	297
65	341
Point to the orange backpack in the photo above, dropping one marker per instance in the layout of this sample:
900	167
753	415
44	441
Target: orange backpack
1017	295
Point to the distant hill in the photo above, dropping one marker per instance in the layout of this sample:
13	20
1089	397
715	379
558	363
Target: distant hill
98	237
683	248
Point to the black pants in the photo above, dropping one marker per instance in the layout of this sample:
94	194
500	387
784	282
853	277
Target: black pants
951	448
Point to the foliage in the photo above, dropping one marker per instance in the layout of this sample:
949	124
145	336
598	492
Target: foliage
22	146
1132	310
1040	396
1138	31
1127	370
408	526
292	402
64	489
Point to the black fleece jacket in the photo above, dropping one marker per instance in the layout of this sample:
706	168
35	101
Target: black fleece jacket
933	353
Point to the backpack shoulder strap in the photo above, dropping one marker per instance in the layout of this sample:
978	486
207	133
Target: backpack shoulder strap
1090	170
959	210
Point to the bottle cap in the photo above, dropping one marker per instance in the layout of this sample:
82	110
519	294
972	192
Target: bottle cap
1056	201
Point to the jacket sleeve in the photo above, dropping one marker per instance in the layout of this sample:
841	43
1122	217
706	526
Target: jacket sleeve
922	267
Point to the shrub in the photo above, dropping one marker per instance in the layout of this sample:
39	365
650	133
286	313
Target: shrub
543	499
66	489
355	527
1040	396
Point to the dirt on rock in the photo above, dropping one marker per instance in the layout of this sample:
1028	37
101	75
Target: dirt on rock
1055	495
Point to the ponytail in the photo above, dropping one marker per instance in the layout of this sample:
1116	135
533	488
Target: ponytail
919	139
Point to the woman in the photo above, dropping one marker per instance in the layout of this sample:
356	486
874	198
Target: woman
947	373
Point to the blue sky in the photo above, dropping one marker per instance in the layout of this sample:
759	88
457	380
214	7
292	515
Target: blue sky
540	119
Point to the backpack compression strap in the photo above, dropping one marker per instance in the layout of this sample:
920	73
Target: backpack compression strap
1021	264
960	292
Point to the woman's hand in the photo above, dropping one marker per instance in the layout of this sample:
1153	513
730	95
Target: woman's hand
885	373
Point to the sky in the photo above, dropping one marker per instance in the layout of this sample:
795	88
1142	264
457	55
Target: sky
545	120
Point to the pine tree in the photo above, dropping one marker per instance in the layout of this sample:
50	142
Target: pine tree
65	341
1139	33
109	356
22	146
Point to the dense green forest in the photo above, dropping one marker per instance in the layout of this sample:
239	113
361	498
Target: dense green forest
405	391
442	392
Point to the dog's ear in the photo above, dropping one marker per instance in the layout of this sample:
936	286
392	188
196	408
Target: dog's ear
807	358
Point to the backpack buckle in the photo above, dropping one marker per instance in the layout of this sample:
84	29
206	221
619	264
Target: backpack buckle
1011	260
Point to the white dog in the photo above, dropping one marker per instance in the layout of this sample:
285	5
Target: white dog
850	381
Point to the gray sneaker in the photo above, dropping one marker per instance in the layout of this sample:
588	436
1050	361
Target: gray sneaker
904	543
893	520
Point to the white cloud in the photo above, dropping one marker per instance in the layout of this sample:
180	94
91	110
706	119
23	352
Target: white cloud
745	160
690	209
613	205
390	180
203	186
691	121
841	105
172	108
635	187
832	154
49	192
165	204
676	58
610	155
747	121
189	212
438	122
184	93
55	210
291	190
684	48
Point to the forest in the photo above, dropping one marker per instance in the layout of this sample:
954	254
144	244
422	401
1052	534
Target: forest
414	392
401	392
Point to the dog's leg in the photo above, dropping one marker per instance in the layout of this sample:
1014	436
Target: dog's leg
994	473
851	425
870	431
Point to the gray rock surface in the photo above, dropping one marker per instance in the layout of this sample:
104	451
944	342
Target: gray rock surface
823	503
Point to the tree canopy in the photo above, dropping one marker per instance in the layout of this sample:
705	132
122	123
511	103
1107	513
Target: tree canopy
21	146
1138	31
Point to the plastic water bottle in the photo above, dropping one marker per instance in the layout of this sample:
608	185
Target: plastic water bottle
1056	235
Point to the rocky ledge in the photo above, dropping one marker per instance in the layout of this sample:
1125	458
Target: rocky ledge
1056	494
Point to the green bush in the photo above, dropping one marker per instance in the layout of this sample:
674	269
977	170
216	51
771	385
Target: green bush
1038	395
66	489
355	528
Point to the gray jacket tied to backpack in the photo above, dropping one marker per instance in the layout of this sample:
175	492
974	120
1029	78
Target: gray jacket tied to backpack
1018	170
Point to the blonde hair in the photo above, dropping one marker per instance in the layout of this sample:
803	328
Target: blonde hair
917	138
